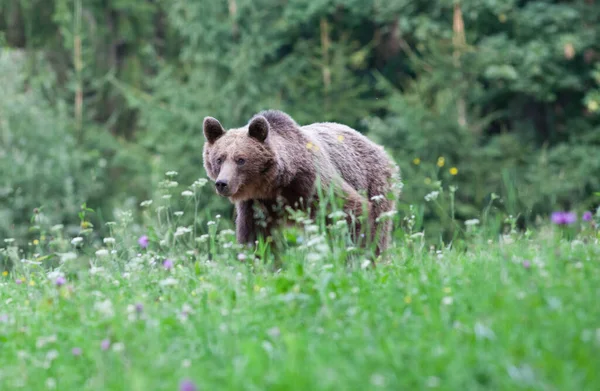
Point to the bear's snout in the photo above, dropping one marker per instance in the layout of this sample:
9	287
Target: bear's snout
222	187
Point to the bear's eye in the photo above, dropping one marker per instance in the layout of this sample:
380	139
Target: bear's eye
241	161
219	160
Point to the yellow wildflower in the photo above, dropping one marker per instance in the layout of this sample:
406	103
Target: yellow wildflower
441	161
407	299
256	288
36	242
593	106
502	18
31	283
416	161
447	289
453	171
5	273
427	181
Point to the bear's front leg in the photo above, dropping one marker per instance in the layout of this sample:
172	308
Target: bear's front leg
245	227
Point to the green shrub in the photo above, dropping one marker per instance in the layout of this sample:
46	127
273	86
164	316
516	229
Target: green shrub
41	166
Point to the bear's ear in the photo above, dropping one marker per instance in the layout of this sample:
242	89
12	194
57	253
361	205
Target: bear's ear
212	129
259	128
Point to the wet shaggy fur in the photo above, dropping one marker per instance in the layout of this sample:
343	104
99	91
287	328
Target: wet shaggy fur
273	161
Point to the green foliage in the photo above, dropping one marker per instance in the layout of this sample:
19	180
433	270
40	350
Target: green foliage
41	166
525	133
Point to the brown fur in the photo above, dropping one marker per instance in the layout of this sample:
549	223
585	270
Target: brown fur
273	159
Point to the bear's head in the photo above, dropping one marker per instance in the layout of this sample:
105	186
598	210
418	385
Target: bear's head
240	161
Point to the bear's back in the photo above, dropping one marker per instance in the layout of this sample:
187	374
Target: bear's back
362	163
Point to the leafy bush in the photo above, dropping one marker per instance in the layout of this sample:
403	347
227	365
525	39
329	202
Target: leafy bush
41	166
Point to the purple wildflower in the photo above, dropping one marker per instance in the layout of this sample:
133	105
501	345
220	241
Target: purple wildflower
60	281
18	281
168	264
76	351
105	344
143	241
587	216
139	307
564	218
526	264
187	385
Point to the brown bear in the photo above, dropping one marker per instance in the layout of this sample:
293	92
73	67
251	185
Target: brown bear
273	160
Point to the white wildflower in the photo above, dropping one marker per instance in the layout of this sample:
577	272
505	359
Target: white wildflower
118	347
377	198
337	215
341	224
43	341
447	300
312	229
171	173
166	196
313	257
432	196
28	262
187	193
168	281
483	332
178	213
50	383
51	355
102	252
274	332
57	228
211	223
54	274
202	238
9	240
199	183
182	231
109	240
433	382
75	241
386	215
146	203
377	380
471	222
96	270
105	308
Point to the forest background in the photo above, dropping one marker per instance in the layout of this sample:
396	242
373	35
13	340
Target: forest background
493	104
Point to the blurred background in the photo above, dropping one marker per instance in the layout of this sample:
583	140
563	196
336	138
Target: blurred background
493	104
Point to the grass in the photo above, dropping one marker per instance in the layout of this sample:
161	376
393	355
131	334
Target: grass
521	313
